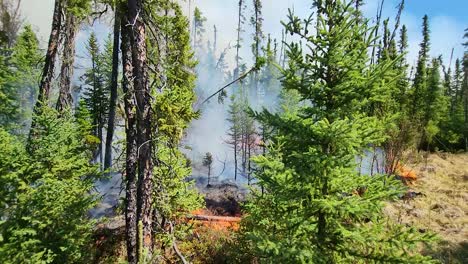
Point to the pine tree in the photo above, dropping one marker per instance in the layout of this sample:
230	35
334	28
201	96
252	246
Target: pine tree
240	22
26	61
257	23
95	92
420	79
316	207
174	95
198	28
208	163
131	148
234	134
19	70
464	90
47	193
435	105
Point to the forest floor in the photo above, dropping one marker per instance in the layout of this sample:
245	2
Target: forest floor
438	202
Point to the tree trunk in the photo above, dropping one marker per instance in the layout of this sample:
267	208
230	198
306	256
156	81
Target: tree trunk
113	90
142	94
131	147
235	159
239	22
248	161
65	99
49	63
100	136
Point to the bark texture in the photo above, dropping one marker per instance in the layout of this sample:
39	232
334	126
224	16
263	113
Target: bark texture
113	90
131	146
49	63
65	99
142	94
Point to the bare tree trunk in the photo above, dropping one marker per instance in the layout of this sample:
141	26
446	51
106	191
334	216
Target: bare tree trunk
100	136
142	94
49	63
131	147
239	22
113	90
235	160
249	155
65	99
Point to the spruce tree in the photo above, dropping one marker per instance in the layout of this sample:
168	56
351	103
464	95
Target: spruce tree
420	79
234	134
435	105
257	23
240	23
316	208
47	192
20	71
208	163
172	98
95	92
198	28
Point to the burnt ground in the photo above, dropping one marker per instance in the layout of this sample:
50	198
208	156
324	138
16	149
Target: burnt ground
224	199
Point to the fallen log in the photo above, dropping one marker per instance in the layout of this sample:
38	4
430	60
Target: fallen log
210	218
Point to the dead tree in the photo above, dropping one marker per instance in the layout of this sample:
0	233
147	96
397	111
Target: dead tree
113	90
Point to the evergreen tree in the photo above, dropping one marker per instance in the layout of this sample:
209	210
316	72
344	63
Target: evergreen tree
316	208
19	73
420	79
198	28
257	23
240	23
25	62
46	193
234	134
208	163
171	97
435	105
95	92
464	90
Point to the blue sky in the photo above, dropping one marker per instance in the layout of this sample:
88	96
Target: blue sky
448	19
457	9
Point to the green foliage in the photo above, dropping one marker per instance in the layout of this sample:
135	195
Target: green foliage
173	98
96	82
453	128
19	73
315	207
79	8
47	193
198	27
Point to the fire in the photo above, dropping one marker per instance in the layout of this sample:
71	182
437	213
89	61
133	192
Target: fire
408	175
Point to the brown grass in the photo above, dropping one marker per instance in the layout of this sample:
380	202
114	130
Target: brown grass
442	207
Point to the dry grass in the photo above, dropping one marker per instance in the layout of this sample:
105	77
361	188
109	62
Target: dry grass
442	207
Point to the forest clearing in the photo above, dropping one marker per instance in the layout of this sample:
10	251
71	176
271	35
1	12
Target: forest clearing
243	131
